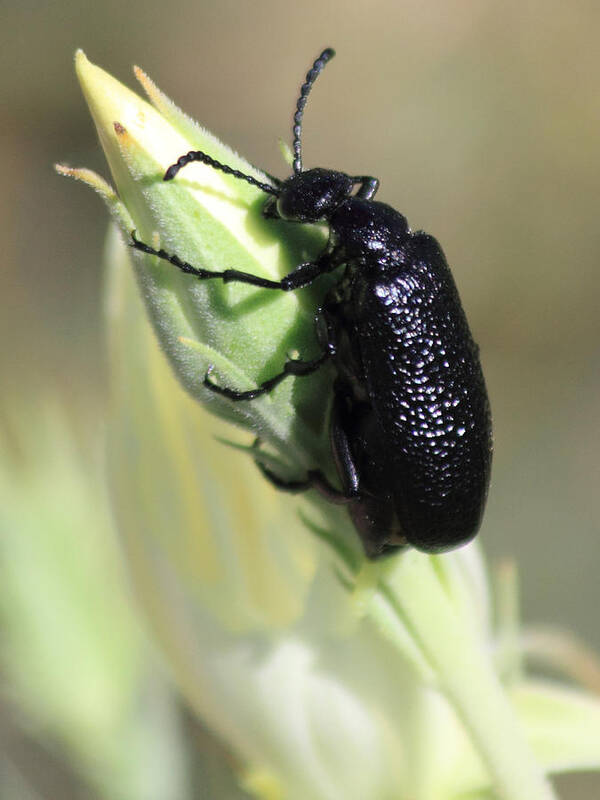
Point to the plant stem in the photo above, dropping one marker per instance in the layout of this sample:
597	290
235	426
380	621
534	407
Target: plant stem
466	675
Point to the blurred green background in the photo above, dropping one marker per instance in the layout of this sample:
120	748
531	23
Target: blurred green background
482	121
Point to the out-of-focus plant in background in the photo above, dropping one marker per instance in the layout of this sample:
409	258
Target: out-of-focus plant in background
325	675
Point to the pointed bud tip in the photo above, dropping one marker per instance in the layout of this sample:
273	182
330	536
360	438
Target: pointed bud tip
81	62
124	119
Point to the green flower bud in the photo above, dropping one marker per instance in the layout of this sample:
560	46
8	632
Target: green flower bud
214	221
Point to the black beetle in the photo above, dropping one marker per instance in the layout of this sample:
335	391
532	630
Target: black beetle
410	425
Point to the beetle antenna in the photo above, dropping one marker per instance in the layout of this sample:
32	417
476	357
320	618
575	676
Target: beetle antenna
311	77
198	155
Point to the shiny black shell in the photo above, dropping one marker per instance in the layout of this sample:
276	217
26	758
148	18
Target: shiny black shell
412	407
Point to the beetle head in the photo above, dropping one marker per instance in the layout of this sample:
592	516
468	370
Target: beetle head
309	196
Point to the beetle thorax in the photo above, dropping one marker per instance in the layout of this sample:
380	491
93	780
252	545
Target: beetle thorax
366	229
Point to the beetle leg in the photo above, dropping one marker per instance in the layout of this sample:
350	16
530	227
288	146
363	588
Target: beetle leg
342	452
325	331
315	480
295	367
368	186
302	275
